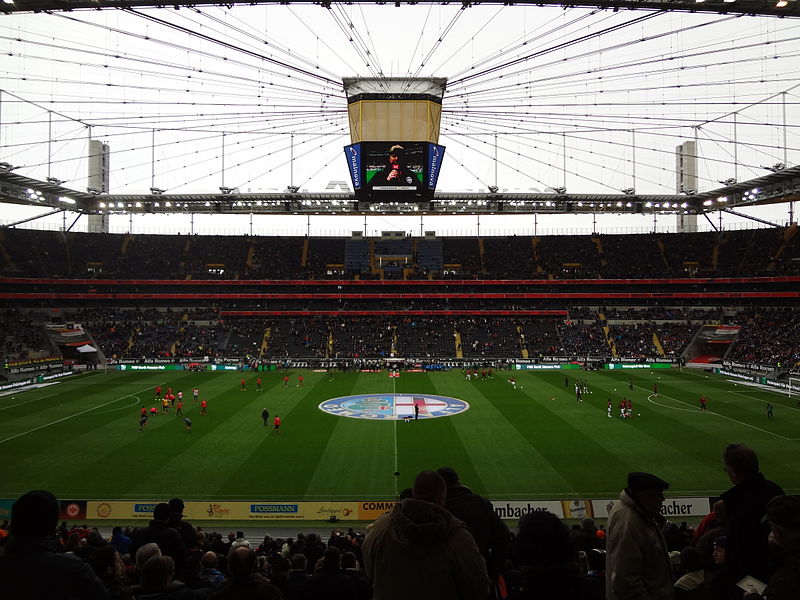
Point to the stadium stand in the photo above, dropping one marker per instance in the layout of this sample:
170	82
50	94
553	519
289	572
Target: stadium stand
634	297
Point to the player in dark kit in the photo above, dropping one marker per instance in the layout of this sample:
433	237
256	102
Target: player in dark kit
142	421
188	422
265	417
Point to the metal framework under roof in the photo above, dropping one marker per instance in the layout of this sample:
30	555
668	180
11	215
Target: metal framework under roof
785	8
780	187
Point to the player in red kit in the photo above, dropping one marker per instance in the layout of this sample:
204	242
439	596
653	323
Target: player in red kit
299	381
180	408
158	392
277	423
242	385
285	381
703	402
203	407
258	384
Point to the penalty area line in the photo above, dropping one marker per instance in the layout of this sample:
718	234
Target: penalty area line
61	420
711	412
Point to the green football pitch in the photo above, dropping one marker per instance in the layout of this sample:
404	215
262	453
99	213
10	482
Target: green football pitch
79	438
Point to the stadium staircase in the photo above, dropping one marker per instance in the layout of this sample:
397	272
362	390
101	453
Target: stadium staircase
788	234
607	333
600	252
251	252
6	255
126	241
663	251
482	252
330	345
265	342
394	341
459	351
657	344
523	350
304	256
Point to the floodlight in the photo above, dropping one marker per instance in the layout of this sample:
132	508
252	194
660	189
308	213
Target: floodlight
66	200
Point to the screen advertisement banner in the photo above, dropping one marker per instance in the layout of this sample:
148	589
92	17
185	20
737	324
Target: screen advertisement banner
434	164
353	155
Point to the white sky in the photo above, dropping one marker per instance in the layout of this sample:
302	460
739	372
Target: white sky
595	101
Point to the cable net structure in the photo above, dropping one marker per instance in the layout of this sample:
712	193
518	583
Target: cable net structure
193	99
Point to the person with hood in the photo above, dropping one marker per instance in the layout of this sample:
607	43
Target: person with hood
420	550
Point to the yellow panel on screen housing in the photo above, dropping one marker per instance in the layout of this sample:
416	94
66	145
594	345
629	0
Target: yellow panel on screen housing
380	120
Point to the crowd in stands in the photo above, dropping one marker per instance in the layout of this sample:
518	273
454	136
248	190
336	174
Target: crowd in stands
440	540
768	336
21	336
28	253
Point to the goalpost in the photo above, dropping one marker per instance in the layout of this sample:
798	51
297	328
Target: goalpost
794	387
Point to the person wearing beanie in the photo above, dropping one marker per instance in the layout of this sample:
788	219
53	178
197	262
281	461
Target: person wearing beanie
32	568
637	560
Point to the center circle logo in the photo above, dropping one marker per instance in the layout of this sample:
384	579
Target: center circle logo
393	407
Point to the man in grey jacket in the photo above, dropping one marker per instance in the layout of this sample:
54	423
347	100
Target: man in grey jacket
420	550
638	566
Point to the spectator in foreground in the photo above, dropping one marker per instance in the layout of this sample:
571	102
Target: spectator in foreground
159	532
420	550
107	564
31	568
746	504
490	533
243	582
549	562
783	515
637	563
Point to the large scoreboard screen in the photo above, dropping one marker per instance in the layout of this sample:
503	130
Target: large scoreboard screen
401	171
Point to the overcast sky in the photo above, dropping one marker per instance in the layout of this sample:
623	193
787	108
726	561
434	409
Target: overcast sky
250	97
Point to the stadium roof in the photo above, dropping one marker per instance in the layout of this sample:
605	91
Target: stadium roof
784	8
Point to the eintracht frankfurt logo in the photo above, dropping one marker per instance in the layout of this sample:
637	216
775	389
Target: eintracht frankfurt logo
393	407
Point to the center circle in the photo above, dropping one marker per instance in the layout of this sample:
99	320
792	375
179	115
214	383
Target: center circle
393	407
